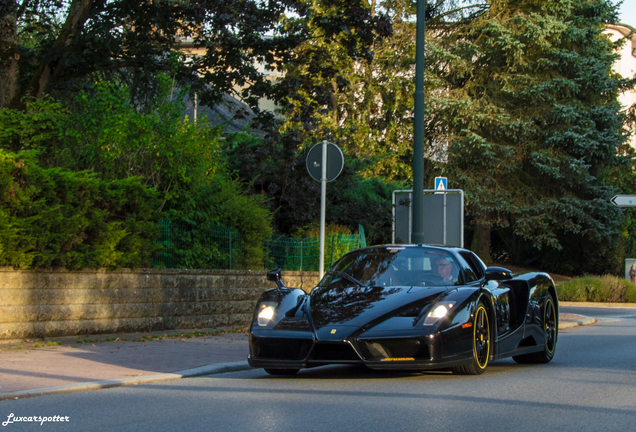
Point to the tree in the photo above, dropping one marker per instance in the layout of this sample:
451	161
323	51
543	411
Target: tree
59	45
294	196
533	122
367	108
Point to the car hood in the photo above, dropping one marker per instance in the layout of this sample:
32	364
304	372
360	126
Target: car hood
355	306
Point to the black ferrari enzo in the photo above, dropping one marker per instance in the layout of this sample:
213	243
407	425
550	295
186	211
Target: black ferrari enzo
407	307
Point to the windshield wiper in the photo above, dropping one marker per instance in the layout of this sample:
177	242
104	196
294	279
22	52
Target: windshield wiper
346	276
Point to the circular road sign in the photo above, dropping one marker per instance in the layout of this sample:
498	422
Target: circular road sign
335	161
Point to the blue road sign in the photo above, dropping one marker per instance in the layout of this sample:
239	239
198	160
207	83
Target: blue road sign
441	183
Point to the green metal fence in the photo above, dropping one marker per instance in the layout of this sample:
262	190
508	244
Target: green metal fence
169	240
222	248
218	247
303	254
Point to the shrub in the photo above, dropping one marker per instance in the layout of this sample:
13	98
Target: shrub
605	288
330	229
135	157
105	134
60	218
221	202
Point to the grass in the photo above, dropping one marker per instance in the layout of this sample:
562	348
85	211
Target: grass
589	288
607	288
79	341
49	343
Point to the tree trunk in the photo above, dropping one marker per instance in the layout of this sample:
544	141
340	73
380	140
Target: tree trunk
481	242
9	53
77	15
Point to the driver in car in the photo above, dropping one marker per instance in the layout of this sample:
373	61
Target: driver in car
444	268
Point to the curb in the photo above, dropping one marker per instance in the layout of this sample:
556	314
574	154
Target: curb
597	304
571	324
98	385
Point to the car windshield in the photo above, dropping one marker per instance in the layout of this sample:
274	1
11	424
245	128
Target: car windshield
394	266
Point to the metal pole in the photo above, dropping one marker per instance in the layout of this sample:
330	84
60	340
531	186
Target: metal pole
417	210
445	217
323	205
394	216
196	105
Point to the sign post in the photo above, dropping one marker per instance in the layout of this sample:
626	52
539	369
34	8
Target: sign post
325	162
441	186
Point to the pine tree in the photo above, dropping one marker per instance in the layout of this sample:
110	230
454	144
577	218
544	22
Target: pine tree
533	122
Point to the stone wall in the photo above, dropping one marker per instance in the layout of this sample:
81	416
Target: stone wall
46	303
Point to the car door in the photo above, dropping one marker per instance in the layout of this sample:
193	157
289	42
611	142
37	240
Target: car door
504	297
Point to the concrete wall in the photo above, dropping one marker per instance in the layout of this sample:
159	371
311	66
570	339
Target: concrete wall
47	303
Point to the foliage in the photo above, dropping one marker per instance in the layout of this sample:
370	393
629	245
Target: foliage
59	47
521	113
222	202
104	134
533	122
191	246
294	196
39	127
607	288
314	230
367	108
623	178
56	217
303	254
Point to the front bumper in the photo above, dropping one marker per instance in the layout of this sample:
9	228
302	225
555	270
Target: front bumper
284	350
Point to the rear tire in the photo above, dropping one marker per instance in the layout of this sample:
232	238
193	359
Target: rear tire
281	371
481	344
550	331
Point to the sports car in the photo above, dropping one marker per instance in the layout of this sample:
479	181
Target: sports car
407	307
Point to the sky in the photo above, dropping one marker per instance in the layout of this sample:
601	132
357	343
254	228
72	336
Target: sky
628	13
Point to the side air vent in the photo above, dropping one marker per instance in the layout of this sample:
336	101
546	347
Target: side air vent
527	342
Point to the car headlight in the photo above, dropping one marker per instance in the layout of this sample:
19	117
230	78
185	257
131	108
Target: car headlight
439	311
265	315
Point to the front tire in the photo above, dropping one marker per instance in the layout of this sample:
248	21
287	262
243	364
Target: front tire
481	344
281	371
550	331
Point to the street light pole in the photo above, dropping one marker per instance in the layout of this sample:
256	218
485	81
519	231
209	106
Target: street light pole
417	209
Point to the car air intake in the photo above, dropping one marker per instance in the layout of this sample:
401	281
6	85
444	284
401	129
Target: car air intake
400	348
339	352
283	348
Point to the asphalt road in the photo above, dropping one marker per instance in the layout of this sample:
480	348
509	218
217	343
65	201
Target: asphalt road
589	386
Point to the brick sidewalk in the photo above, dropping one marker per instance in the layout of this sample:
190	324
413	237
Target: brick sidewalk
29	367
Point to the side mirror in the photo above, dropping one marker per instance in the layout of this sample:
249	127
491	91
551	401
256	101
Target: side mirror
498	274
276	276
